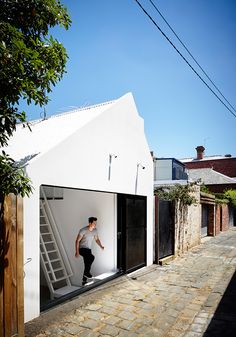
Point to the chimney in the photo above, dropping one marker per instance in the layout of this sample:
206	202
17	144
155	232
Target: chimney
200	152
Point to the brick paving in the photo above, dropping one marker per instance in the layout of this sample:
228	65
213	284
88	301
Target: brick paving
192	296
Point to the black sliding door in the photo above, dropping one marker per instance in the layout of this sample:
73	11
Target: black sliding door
131	232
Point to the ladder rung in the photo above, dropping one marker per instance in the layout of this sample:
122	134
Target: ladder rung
60	279
41	243
49	233
54	260
58	269
51	251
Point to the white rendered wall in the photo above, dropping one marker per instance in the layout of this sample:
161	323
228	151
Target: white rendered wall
82	161
188	224
72	213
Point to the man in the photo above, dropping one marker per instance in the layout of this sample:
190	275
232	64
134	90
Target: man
83	245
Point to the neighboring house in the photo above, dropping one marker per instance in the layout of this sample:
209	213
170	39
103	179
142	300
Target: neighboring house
93	161
220	170
176	228
218	174
168	171
215	181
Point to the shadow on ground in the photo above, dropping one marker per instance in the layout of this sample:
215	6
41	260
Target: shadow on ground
223	323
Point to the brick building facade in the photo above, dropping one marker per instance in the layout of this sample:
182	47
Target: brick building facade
218	173
222	164
221	218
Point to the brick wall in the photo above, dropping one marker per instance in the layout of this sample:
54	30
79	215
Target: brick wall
222	217
226	166
225	217
220	188
211	220
218	219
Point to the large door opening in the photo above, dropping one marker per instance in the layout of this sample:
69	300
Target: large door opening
63	212
131	235
119	216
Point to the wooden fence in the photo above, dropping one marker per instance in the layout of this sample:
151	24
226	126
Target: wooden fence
11	268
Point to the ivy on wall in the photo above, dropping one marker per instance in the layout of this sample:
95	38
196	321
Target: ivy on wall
231	196
227	197
181	193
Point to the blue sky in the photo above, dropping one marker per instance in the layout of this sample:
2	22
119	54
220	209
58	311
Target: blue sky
114	48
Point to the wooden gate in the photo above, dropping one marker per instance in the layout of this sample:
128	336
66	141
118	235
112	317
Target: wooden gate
11	268
164	229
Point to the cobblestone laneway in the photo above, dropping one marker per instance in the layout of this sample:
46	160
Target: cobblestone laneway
188	297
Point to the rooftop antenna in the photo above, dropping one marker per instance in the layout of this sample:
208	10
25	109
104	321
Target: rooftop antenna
204	141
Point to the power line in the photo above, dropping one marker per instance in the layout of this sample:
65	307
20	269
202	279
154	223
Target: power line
188	51
181	55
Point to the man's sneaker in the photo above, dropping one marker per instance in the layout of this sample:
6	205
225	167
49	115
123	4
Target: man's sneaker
88	275
87	280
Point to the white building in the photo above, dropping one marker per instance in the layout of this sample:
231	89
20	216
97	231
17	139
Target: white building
93	161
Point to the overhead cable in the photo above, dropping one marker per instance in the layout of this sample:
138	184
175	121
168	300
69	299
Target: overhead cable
188	51
181	55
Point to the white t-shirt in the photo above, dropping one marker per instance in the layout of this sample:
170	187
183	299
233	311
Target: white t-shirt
87	237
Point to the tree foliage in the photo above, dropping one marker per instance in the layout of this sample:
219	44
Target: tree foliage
12	178
226	197
31	62
231	196
205	189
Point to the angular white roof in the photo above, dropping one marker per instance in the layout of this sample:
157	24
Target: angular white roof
46	133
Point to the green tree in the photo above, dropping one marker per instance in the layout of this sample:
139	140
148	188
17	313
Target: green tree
231	196
31	62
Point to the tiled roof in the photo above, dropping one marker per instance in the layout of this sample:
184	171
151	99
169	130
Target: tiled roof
210	177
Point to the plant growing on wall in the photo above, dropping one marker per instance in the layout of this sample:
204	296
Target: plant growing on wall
181	193
230	195
181	197
205	189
